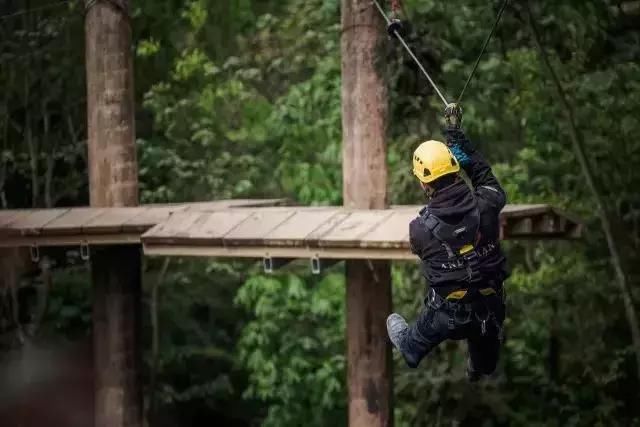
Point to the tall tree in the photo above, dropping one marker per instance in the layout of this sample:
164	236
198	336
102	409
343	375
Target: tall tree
113	182
364	125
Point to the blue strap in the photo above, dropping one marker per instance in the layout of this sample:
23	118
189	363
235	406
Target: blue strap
460	154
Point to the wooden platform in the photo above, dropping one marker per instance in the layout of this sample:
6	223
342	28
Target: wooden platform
74	226
329	233
255	228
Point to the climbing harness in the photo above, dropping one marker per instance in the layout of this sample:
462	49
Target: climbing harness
394	28
459	242
460	314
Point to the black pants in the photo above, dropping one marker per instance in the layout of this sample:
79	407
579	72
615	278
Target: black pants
479	322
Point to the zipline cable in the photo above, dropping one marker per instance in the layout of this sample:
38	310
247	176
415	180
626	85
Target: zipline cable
395	32
484	47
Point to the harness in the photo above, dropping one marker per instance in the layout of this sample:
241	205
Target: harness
459	242
462	314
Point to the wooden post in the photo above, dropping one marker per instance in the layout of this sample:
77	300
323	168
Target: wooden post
113	179
364	123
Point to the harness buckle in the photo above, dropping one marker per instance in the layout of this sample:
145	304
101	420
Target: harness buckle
470	256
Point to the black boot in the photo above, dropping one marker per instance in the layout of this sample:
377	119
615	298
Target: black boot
398	331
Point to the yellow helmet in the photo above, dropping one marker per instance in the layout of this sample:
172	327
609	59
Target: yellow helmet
433	159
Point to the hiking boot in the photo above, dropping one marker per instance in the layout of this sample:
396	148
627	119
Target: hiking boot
398	331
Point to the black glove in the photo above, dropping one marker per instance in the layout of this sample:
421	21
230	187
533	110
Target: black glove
456	137
453	116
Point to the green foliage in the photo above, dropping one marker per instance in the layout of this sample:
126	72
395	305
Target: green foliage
195	367
242	99
295	357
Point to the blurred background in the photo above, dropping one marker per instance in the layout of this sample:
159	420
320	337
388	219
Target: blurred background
241	99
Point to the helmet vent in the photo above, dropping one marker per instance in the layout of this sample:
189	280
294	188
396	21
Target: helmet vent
427	172
453	161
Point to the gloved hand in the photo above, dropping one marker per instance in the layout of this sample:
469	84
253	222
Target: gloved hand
453	116
456	139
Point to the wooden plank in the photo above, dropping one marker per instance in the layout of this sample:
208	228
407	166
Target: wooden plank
175	228
393	232
234	203
524	210
153	249
350	231
253	230
112	220
313	239
210	206
51	240
212	227
72	221
295	230
32	223
7	216
150	217
250	203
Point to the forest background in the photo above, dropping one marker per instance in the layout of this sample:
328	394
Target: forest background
241	99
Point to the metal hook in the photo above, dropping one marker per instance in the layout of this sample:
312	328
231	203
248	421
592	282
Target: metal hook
267	264
35	253
84	251
315	265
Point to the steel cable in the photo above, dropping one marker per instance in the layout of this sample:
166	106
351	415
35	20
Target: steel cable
484	47
406	46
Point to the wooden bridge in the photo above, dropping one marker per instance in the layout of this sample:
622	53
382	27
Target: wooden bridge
256	229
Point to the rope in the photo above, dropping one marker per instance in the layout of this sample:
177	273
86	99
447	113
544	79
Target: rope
417	61
484	47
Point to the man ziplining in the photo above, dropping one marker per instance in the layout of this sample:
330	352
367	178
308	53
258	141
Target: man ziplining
456	236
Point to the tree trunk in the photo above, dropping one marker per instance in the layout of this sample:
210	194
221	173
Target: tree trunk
364	122
369	372
117	291
113	168
113	182
604	216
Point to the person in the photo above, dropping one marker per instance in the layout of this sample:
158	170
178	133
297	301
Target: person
456	236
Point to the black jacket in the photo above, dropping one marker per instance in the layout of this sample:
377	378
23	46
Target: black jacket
457	204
